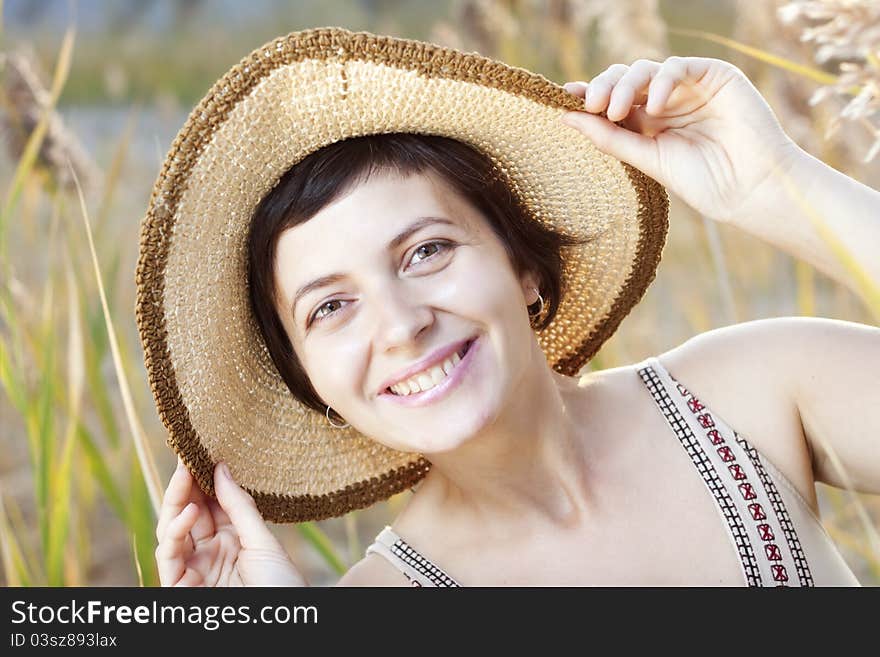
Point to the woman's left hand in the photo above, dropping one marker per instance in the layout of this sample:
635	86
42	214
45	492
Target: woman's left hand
696	125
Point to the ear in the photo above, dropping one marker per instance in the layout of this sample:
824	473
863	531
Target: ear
530	283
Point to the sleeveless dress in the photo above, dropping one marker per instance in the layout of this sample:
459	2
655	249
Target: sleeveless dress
777	537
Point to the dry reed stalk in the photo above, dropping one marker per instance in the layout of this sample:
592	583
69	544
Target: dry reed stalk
844	34
24	99
628	29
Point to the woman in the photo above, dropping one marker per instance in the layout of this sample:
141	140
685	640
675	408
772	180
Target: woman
537	478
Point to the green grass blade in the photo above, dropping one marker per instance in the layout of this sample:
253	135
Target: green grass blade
59	522
99	470
14	565
318	540
59	516
43	425
137	561
142	523
10	381
97	349
145	456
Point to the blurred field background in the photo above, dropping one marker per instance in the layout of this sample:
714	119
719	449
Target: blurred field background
97	90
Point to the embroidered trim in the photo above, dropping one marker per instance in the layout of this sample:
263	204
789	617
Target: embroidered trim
707	471
412	558
794	544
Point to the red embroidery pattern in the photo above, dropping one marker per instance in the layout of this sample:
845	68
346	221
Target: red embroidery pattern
779	573
736	471
738	474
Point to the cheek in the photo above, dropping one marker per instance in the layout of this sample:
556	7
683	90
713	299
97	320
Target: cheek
486	286
334	368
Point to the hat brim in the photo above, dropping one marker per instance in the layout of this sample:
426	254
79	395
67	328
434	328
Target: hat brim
216	388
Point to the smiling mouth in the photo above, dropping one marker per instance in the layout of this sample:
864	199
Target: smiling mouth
430	378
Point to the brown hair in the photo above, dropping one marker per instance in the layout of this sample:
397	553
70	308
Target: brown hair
324	175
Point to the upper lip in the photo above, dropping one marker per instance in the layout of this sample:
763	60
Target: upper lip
434	358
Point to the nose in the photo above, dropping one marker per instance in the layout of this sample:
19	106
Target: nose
402	318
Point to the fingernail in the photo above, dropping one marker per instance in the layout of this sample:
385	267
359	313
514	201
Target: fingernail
180	465
224	470
568	119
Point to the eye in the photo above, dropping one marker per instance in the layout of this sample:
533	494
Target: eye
316	316
426	248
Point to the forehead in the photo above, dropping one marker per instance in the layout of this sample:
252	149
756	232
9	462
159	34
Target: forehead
379	205
375	210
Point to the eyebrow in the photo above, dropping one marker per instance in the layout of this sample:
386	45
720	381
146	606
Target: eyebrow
401	237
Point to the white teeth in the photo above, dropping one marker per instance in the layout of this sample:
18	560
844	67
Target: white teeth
428	379
437	374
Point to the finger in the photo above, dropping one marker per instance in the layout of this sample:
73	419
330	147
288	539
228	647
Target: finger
674	73
221	518
204	525
599	90
242	511
175	498
633	148
172	551
578	88
631	88
671	73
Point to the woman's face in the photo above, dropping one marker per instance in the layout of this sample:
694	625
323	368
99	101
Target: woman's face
410	271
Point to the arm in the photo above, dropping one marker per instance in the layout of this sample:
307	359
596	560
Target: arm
809	207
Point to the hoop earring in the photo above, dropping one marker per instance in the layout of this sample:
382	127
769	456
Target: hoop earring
541	299
327	413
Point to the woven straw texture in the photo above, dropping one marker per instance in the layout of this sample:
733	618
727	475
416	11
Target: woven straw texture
216	388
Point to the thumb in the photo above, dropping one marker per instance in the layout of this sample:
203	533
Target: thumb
253	533
631	147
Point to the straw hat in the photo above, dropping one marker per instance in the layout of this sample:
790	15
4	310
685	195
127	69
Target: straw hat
216	388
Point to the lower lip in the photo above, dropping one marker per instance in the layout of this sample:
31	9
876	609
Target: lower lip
443	388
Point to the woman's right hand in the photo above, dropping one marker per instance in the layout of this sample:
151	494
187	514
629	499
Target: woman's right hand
222	542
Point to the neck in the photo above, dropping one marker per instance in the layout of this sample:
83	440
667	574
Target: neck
528	465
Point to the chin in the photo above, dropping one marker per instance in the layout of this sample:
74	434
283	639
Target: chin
454	434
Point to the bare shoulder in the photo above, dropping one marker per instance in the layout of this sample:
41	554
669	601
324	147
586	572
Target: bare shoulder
747	374
373	570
